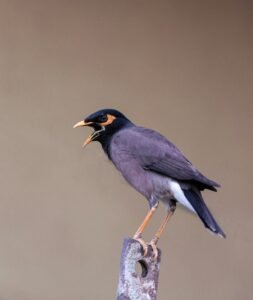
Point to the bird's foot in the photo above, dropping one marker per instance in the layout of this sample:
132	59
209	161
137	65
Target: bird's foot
153	245
143	244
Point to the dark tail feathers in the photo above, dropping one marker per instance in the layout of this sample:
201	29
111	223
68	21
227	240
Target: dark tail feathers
197	202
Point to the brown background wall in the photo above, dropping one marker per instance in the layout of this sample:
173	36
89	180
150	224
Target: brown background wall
181	67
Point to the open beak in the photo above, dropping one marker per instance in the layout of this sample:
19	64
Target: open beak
81	124
92	136
89	138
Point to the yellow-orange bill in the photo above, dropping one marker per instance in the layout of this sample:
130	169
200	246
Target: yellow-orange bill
81	124
87	141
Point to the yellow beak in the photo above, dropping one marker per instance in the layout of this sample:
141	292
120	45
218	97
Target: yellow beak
81	124
89	138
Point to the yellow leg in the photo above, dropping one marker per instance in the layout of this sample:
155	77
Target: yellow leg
137	235
145	222
159	232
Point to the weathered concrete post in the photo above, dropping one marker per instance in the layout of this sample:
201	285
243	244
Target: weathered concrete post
134	286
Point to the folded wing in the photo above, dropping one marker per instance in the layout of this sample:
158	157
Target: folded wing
157	154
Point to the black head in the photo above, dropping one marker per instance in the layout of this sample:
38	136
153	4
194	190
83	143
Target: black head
105	123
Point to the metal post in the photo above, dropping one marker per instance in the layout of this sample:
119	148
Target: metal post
134	286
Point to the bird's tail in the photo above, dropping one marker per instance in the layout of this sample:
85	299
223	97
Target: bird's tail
197	202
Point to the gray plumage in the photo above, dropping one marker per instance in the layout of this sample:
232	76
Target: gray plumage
150	163
158	170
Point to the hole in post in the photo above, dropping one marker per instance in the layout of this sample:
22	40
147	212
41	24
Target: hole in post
141	268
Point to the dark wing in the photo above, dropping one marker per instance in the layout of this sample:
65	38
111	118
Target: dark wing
157	154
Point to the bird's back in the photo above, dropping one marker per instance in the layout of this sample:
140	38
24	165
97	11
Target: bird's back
154	152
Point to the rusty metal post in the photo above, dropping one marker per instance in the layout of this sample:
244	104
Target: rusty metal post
134	286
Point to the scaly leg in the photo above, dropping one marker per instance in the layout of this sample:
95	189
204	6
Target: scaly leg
137	235
159	232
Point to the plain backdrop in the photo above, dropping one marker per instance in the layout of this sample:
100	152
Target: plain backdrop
183	68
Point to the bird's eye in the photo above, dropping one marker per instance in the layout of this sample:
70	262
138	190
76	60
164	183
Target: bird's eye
102	118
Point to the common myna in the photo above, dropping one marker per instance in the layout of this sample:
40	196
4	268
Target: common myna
152	165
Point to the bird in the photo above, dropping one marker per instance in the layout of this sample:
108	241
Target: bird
154	167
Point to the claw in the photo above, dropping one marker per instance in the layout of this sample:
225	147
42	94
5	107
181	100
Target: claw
154	248
143	244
